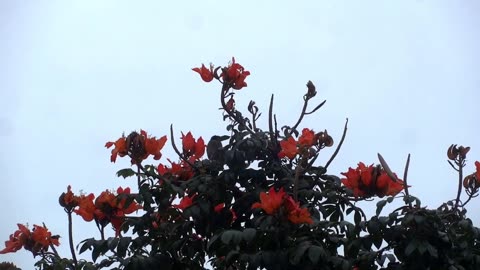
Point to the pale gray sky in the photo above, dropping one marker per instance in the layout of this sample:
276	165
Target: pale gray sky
75	74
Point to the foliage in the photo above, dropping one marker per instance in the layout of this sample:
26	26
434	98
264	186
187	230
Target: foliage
259	200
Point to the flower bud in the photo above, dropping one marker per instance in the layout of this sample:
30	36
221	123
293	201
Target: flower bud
455	152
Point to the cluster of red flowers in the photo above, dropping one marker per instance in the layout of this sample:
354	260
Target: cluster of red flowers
367	181
233	75
291	147
193	149
106	208
473	180
36	241
272	201
140	145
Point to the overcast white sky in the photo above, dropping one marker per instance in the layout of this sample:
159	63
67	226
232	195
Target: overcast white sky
75	74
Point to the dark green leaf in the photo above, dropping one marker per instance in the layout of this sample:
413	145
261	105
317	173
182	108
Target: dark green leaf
227	236
380	205
299	252
123	246
126	173
315	253
112	242
87	244
249	234
411	247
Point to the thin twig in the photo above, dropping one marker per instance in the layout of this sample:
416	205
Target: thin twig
460	180
270	120
138	176
453	166
176	149
339	145
70	238
469	198
316	108
298	170
310	164
302	114
230	113
405	174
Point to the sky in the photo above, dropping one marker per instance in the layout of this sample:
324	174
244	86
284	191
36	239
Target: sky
76	74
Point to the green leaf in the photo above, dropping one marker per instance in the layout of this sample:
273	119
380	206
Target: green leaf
315	253
357	217
232	255
126	173
411	247
112	242
100	247
299	252
377	241
212	241
249	234
227	236
123	246
380	205
87	244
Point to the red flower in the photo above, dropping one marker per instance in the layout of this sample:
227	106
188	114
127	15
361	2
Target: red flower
181	171
477	172
307	138
205	73
107	208
17	240
186	202
296	214
359	180
191	147
230	104
289	148
39	239
235	75
120	148
86	207
387	187
369	181
42	236
153	145
219	207
68	200
270	202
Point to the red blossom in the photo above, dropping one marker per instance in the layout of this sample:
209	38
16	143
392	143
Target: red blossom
296	214
367	181
153	145
39	239
230	104
191	147
107	208
181	171
120	148
477	171
289	148
205	73
270	202
307	138
186	202
235	75
219	207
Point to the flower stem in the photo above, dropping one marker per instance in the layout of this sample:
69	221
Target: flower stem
460	178
70	238
239	120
